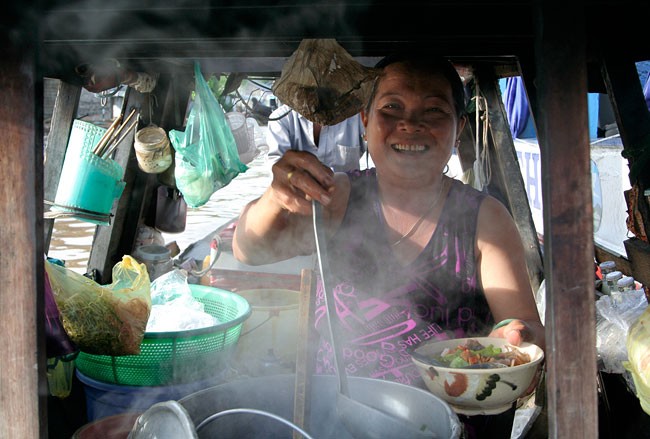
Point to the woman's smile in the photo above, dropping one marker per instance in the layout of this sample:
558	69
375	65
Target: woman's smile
404	147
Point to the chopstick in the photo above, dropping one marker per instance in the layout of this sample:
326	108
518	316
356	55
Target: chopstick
107	135
113	137
115	144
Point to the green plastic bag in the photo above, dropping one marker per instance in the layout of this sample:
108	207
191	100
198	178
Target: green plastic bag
206	154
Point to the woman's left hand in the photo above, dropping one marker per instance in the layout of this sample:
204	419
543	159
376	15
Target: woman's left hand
515	332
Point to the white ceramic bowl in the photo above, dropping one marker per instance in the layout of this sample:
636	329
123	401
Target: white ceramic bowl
478	391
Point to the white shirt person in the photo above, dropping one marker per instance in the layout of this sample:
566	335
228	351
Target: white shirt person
338	146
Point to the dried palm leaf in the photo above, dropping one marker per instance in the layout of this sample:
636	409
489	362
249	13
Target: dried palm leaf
323	82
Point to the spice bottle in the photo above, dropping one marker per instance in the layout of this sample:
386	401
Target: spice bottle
606	267
626	284
611	280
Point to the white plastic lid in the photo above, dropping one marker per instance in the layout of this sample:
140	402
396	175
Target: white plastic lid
614	276
608	265
625	281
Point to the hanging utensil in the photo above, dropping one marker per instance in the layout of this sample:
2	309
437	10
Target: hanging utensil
361	420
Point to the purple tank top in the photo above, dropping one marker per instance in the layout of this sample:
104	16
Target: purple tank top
386	308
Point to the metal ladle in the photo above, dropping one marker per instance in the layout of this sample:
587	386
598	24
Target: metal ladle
361	420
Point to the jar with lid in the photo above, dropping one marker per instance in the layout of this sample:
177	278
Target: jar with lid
156	258
153	150
610	282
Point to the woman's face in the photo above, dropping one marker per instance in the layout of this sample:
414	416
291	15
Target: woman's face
412	125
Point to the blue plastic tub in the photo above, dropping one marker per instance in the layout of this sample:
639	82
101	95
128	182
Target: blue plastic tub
104	399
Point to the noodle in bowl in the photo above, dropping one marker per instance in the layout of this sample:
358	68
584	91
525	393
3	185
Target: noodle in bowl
480	391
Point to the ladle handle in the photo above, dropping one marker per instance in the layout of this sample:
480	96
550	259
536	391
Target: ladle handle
323	263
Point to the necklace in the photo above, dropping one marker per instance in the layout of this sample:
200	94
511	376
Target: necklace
415	226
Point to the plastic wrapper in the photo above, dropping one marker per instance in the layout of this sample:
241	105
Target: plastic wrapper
615	316
206	157
638	348
174	308
59	376
57	342
104	319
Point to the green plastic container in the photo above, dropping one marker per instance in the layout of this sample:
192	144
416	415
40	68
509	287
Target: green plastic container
177	357
89	184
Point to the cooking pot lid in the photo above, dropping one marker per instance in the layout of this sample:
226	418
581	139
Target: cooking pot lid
164	420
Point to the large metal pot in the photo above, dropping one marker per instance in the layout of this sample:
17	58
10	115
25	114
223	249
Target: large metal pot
274	394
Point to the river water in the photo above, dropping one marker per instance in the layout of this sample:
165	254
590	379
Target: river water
71	238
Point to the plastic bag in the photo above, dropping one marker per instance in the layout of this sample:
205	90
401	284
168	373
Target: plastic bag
615	315
57	342
104	320
174	307
638	348
206	157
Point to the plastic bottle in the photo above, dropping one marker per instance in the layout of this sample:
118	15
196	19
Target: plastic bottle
625	284
607	267
610	281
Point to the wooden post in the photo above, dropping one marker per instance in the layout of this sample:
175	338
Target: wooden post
633	120
304	352
23	387
506	168
65	110
113	241
562	123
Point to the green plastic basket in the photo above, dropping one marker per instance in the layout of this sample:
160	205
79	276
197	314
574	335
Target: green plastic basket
177	357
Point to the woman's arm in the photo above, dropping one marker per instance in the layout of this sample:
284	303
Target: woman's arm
504	275
278	225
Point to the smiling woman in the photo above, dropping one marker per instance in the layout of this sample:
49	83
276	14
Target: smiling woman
402	237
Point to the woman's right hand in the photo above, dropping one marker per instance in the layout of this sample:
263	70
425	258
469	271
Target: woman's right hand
299	177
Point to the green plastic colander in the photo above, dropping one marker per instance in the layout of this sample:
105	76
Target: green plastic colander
177	357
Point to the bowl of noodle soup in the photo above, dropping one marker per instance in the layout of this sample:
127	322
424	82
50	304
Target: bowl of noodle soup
479	375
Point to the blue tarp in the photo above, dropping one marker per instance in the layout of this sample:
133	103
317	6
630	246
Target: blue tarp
646	91
516	105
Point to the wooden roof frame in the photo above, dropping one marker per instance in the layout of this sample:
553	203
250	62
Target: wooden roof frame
560	52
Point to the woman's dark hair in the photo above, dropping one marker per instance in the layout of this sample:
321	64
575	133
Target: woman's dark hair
433	64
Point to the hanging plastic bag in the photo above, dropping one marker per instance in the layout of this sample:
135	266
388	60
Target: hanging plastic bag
206	157
104	320
638	350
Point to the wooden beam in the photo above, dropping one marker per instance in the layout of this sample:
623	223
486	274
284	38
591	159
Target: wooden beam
505	167
633	120
115	240
23	386
562	121
304	352
65	110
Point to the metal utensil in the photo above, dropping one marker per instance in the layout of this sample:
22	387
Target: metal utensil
361	420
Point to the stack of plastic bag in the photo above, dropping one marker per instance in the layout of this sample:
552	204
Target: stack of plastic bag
615	315
173	306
